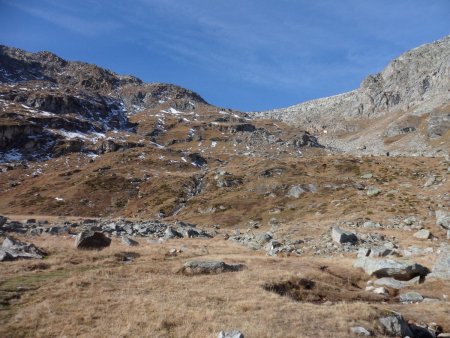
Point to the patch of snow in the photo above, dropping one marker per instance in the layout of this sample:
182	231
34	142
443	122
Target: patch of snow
213	144
59	199
183	159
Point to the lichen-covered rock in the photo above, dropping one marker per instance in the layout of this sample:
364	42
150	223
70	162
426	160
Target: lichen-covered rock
209	267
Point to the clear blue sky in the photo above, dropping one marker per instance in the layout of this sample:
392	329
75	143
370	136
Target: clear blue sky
243	54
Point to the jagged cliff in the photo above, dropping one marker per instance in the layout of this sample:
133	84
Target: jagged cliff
404	109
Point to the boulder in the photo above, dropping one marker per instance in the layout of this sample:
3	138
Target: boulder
170	233
360	331
230	334
128	241
392	283
340	236
443	219
12	249
423	234
441	267
395	325
373	191
88	239
390	268
410	297
209	267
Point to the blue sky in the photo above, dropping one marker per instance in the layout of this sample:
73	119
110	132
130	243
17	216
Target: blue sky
242	54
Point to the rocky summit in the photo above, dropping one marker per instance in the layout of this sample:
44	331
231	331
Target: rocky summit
139	209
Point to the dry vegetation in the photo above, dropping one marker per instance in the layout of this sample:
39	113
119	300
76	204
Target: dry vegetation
102	293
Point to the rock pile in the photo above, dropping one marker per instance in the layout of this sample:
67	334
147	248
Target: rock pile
12	249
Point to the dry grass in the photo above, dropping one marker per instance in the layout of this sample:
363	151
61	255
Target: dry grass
97	294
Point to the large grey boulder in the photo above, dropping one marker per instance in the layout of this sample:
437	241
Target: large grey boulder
390	268
88	239
395	325
230	334
441	267
12	249
340	236
209	267
443	219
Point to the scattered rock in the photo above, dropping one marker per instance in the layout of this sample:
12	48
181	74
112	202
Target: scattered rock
441	267
411	297
88	239
295	191
423	234
360	331
230	334
340	236
443	219
367	176
12	249
380	291
373	191
128	241
209	267
371	225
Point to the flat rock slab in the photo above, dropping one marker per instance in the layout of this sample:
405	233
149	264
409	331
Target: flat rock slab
209	267
390	268
392	283
12	249
88	239
411	297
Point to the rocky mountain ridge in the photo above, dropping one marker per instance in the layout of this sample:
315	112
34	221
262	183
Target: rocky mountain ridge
405	109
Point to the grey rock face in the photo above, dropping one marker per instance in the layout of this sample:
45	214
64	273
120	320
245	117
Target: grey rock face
390	268
91	240
340	236
12	249
230	334
208	267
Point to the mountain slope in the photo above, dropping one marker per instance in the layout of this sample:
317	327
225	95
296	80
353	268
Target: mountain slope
405	109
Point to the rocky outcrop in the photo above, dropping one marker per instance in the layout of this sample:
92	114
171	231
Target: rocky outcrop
12	249
412	91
